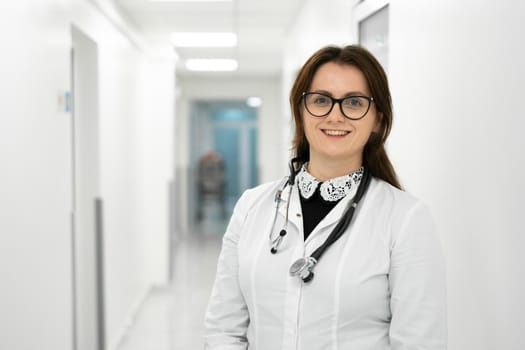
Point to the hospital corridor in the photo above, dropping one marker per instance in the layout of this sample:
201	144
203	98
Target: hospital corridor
129	129
172	316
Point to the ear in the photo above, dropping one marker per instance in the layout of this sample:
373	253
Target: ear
377	124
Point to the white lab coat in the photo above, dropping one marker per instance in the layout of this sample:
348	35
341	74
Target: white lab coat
381	286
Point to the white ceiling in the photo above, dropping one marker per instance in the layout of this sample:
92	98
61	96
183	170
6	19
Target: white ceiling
261	26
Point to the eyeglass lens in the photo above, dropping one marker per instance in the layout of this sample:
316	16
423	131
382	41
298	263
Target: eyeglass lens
352	107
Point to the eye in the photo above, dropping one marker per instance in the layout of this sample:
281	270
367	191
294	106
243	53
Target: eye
354	102
320	100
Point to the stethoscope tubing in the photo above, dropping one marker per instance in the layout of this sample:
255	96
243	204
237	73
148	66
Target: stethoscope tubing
276	242
346	218
304	266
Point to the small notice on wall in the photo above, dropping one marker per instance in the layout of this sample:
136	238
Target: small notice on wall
63	101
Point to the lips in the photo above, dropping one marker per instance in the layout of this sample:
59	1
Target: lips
336	132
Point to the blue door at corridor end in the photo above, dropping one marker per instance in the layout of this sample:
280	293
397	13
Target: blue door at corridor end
235	139
227	144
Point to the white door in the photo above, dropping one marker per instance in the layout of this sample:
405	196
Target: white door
88	273
374	33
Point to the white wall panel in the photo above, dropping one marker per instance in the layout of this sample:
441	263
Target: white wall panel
136	112
457	73
35	186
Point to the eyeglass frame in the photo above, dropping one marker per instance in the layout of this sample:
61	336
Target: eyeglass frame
338	101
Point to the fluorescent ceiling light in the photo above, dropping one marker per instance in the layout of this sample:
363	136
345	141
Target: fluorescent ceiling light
211	65
202	39
190	0
254	101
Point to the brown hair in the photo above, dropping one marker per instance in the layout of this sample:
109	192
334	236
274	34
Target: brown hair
375	158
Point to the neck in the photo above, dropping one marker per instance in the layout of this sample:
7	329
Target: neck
332	168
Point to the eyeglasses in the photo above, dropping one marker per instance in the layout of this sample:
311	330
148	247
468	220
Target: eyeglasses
352	107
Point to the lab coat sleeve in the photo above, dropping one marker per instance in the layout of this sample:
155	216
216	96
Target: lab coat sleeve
227	317
417	284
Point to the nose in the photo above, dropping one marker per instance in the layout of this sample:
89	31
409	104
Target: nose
336	115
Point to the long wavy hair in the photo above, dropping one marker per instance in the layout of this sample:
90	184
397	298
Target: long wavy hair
375	158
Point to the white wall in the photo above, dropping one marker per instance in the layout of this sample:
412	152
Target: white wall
136	117
272	152
136	112
35	197
457	73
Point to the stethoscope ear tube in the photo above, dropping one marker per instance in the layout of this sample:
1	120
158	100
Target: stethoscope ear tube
276	242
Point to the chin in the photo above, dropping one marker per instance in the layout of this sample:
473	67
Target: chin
336	156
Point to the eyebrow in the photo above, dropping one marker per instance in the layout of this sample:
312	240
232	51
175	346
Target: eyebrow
348	94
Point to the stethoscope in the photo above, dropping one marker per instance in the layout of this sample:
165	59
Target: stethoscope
303	267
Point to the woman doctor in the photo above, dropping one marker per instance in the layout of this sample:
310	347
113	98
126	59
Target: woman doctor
336	256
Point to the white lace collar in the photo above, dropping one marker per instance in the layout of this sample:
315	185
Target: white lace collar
331	190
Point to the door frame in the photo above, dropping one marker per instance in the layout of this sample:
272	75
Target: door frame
87	206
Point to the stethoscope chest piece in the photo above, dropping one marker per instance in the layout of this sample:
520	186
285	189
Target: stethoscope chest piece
303	268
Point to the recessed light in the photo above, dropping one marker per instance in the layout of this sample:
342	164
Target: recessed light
204	39
190	0
211	64
254	101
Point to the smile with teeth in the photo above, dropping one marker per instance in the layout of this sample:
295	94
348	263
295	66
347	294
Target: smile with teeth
336	132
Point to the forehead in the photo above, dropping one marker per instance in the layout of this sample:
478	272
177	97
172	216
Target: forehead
339	79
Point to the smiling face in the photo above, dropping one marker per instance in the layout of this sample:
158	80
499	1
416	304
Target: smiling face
336	142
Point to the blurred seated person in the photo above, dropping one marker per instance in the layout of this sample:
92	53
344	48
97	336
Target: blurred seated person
211	181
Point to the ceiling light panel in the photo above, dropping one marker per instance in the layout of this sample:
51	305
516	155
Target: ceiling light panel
202	39
190	0
211	65
254	101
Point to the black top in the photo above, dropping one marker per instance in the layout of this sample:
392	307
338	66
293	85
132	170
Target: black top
314	210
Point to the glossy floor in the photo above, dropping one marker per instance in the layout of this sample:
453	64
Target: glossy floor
171	317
